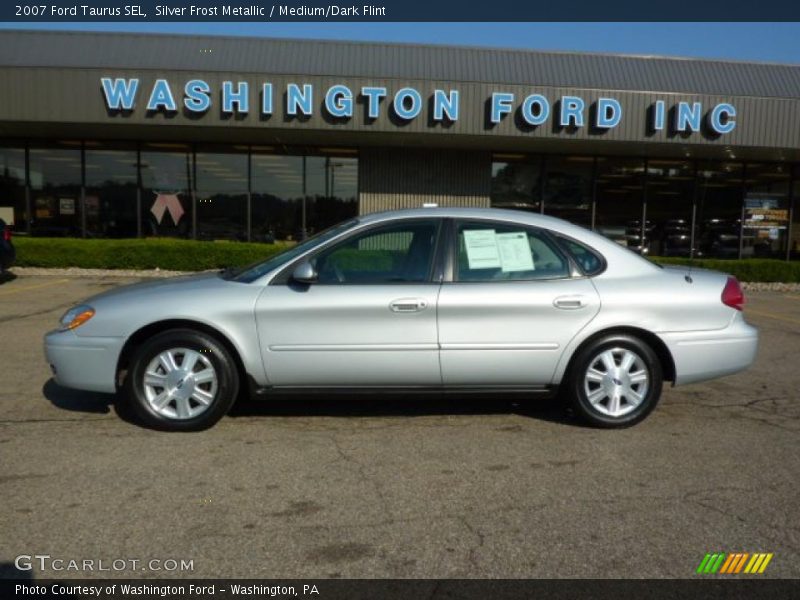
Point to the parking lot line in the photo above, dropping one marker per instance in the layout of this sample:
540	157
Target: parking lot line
31	287
772	316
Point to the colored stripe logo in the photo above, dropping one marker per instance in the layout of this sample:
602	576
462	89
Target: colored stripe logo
733	563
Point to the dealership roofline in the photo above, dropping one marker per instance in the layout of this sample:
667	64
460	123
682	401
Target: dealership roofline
400	44
182	52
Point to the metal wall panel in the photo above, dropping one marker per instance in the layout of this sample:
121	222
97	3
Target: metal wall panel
395	178
396	61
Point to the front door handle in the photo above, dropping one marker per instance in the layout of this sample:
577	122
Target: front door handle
570	302
408	305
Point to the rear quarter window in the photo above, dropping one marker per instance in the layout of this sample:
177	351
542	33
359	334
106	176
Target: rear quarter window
588	260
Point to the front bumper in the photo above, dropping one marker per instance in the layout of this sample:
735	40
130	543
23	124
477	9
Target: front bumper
702	355
83	363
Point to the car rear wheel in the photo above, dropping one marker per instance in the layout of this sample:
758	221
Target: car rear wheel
615	381
182	380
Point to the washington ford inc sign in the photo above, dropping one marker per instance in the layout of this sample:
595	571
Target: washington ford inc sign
338	101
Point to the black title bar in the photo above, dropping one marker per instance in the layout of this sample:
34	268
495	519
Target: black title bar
85	11
709	588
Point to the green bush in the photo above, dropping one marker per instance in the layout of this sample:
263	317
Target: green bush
151	253
748	269
190	255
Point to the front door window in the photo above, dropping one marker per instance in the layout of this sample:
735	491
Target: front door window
397	253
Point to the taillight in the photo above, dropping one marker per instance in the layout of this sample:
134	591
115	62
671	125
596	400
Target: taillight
6	234
733	295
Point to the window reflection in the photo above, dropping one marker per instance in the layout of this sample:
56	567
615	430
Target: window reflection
568	188
331	191
277	192
766	210
719	209
55	179
167	192
517	185
221	196
670	195
12	188
111	188
620	196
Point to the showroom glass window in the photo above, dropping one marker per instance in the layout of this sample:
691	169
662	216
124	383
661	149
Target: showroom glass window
13	209
620	200
221	196
56	181
331	191
111	190
276	196
167	177
719	209
670	196
517	184
766	210
568	188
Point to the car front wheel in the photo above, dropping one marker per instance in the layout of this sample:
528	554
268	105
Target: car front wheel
615	381
182	380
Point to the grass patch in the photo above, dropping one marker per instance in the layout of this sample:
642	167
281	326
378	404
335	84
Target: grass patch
150	253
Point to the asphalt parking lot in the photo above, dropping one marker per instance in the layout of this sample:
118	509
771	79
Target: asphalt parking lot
399	487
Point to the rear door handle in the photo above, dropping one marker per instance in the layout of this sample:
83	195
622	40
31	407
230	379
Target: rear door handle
408	305
570	302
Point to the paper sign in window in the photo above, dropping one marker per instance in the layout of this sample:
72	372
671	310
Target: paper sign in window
482	252
515	252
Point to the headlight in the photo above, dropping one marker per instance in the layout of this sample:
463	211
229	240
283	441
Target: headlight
76	316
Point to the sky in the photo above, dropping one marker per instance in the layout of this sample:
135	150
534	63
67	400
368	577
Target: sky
766	42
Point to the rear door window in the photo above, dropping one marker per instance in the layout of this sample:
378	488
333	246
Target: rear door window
501	252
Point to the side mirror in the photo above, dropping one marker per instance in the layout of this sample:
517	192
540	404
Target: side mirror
304	273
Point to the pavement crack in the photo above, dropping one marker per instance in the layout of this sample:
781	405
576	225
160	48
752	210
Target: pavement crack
36	313
362	473
471	556
37	421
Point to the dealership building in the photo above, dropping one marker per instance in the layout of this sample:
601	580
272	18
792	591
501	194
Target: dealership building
139	135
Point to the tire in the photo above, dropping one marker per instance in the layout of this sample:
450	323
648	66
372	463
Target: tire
165	394
627	394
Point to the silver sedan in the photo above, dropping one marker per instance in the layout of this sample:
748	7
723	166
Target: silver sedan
429	299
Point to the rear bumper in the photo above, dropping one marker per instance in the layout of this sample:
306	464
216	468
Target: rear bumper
83	363
702	355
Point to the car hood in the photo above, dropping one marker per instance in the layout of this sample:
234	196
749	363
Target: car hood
199	281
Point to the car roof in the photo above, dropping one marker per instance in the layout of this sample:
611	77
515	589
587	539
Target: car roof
468	213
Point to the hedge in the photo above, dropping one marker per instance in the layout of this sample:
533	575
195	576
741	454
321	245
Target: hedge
151	253
747	269
189	255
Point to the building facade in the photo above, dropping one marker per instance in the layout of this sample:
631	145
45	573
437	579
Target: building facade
126	135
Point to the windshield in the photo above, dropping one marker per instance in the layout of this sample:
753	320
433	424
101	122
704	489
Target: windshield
252	272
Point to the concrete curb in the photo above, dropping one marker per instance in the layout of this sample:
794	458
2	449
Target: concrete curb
76	272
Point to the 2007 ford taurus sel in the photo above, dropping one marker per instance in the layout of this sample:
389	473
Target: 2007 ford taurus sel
428	299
